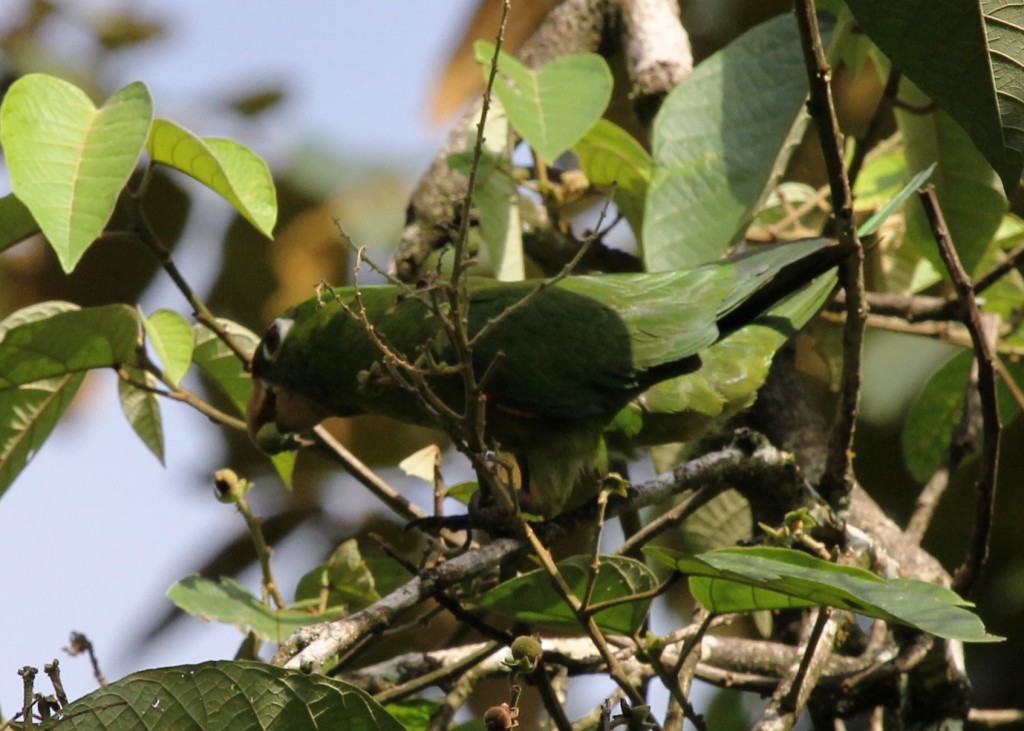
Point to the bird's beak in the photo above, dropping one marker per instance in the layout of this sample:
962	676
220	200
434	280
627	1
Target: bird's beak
275	415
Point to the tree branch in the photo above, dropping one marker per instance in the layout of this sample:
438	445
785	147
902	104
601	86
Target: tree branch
838	478
985	485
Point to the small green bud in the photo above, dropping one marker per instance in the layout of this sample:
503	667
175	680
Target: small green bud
526	653
228	486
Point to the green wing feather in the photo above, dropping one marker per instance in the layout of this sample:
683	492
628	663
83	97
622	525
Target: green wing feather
580	348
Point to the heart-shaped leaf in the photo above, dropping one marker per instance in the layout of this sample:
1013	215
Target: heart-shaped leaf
609	155
227	167
554	106
70	160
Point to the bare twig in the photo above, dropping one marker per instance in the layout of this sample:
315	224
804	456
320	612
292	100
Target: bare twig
52	670
367	477
79	644
28	678
454	699
791	695
442	673
586	620
912	308
995	717
229	484
178	392
1012	261
985	485
311	646
147	235
552	703
837	481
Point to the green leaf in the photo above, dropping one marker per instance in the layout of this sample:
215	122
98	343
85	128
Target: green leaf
725	520
217	361
69	160
224	368
609	155
721	139
230	602
871	225
16	222
67	342
968	189
933	416
27	417
229	168
977	75
44	350
745	579
413	713
937	410
496	197
554	106
531	597
28	414
251	180
172	338
143	410
345	577
226	696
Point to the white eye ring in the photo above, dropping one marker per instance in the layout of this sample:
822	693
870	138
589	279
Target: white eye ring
276	334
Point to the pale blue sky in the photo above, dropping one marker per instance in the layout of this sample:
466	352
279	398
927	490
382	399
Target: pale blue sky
95	531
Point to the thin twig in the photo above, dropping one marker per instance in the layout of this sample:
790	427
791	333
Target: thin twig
147	235
551	701
1012	260
179	393
79	644
263	552
595	552
799	689
28	677
995	717
615	668
367	477
837	481
446	672
52	670
985	485
545	284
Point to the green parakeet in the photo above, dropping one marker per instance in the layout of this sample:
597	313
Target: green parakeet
562	363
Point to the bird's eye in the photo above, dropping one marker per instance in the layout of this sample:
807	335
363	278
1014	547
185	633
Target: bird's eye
276	334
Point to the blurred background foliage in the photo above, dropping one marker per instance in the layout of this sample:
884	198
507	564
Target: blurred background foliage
329	201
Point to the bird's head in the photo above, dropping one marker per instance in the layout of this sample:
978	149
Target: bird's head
276	411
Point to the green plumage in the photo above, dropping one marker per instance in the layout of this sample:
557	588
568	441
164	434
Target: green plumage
566	359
